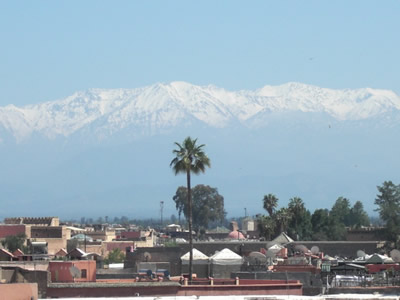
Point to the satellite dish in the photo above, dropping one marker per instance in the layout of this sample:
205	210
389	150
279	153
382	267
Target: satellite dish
360	253
257	258
147	256
75	272
315	250
301	248
395	255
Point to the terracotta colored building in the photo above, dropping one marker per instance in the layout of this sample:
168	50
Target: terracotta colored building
73	271
9	230
46	229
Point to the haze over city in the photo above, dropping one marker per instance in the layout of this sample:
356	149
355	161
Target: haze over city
291	98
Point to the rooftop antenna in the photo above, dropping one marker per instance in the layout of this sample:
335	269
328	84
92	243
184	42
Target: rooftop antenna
245	212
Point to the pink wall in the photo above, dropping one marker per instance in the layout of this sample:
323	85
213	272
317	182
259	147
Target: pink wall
61	270
19	291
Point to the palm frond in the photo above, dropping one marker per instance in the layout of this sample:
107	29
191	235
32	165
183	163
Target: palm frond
189	157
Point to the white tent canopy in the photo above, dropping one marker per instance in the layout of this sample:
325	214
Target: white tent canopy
226	257
198	257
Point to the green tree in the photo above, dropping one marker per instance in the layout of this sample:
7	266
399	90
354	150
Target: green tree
340	211
266	226
388	201
358	216
208	205
115	256
300	222
327	226
270	203
296	208
320	224
337	230
282	217
189	158
14	242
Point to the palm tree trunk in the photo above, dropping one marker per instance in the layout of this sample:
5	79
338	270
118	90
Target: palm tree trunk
190	227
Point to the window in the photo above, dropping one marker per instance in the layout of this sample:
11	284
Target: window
83	273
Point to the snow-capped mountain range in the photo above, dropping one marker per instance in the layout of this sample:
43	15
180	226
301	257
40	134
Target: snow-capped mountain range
153	109
113	148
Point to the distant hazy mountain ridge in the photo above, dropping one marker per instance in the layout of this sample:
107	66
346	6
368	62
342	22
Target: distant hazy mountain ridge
152	109
113	147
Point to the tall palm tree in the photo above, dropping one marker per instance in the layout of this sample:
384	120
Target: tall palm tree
190	158
270	203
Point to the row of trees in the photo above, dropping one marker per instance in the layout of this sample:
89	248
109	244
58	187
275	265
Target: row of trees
296	219
323	224
298	222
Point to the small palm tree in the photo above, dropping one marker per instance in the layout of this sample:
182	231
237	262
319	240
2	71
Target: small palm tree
270	203
283	217
190	158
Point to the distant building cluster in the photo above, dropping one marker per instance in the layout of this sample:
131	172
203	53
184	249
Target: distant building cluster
53	254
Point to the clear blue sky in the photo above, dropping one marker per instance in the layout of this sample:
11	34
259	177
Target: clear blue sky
50	49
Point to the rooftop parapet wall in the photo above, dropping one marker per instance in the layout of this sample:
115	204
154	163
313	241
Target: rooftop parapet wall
365	234
41	221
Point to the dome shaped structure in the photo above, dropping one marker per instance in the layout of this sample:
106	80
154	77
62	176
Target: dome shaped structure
235	235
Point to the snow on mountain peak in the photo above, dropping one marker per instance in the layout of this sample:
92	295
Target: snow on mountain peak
162	105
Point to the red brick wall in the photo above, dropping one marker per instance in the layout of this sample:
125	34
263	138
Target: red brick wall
7	230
